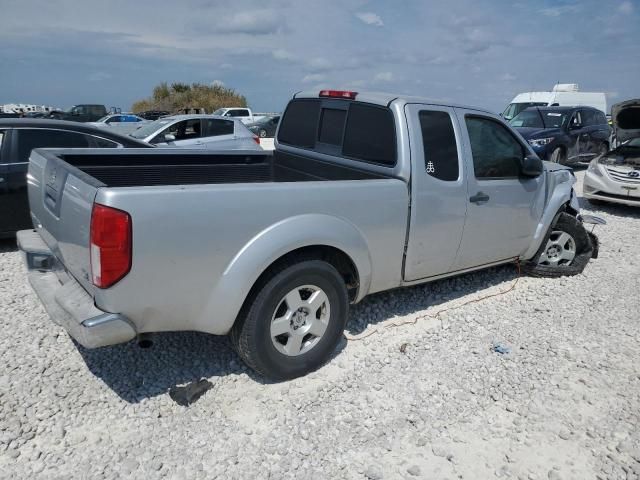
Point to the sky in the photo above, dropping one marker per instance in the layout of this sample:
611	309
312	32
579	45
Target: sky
474	52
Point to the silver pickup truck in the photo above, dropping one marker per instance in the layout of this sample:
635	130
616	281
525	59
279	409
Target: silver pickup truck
364	193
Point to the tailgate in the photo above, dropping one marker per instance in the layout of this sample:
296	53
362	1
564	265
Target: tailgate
61	200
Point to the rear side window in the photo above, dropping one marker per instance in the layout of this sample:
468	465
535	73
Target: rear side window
370	135
332	126
589	118
300	123
439	142
496	153
41	138
215	128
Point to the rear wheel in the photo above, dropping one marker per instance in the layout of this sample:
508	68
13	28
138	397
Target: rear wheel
558	156
566	250
295	321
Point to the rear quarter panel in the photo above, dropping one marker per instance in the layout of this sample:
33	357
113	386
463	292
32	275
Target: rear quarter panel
197	250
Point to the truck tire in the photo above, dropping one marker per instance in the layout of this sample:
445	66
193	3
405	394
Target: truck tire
294	321
565	251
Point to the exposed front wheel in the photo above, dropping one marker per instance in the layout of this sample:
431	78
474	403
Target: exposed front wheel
566	250
263	133
295	320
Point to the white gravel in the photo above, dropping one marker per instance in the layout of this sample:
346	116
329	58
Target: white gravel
563	404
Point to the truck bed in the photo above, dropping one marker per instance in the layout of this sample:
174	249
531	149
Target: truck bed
144	167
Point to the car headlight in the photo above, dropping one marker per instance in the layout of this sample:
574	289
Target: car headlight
607	160
540	142
594	168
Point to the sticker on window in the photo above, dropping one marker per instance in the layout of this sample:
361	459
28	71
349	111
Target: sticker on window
431	168
554	114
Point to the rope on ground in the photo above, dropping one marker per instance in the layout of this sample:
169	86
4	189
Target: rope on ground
391	323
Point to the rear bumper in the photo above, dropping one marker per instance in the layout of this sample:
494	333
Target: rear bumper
66	302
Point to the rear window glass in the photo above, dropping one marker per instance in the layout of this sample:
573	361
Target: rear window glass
216	127
440	148
300	123
370	135
332	126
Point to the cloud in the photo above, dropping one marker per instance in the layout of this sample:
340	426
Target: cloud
254	22
508	77
625	8
99	76
560	10
320	64
314	77
281	54
217	83
370	18
383	77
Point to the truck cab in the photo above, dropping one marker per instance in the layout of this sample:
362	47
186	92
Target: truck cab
245	115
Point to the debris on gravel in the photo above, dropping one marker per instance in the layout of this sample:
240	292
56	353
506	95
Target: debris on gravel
423	400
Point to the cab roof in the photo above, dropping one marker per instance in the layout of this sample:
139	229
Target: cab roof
385	99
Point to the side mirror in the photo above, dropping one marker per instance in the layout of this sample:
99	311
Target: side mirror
169	137
532	166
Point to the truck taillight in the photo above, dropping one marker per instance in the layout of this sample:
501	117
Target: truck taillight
110	245
338	94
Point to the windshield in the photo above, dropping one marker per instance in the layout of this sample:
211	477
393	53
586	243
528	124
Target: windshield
515	108
528	118
634	142
153	127
219	111
554	119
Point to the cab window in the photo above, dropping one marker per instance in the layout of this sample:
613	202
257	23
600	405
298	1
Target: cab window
496	152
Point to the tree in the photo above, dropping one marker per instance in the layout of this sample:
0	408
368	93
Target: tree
178	96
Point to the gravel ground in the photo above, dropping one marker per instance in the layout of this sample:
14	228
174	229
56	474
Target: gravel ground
428	400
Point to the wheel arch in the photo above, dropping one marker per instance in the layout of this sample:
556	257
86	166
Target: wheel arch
319	236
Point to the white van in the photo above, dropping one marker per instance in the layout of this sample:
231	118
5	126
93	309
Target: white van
562	94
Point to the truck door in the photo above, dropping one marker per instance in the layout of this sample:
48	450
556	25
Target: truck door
6	210
439	191
14	209
503	208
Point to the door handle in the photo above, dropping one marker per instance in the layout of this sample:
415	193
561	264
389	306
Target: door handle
479	198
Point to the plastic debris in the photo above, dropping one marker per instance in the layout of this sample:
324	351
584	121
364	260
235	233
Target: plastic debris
501	349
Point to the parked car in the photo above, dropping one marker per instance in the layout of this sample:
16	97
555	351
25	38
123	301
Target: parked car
81	113
123	123
265	127
243	114
564	135
198	131
36	114
615	175
562	95
364	193
153	114
18	137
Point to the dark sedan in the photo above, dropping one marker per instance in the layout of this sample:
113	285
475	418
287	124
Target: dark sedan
265	127
18	137
564	134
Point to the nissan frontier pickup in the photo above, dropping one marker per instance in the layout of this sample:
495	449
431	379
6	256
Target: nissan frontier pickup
364	192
